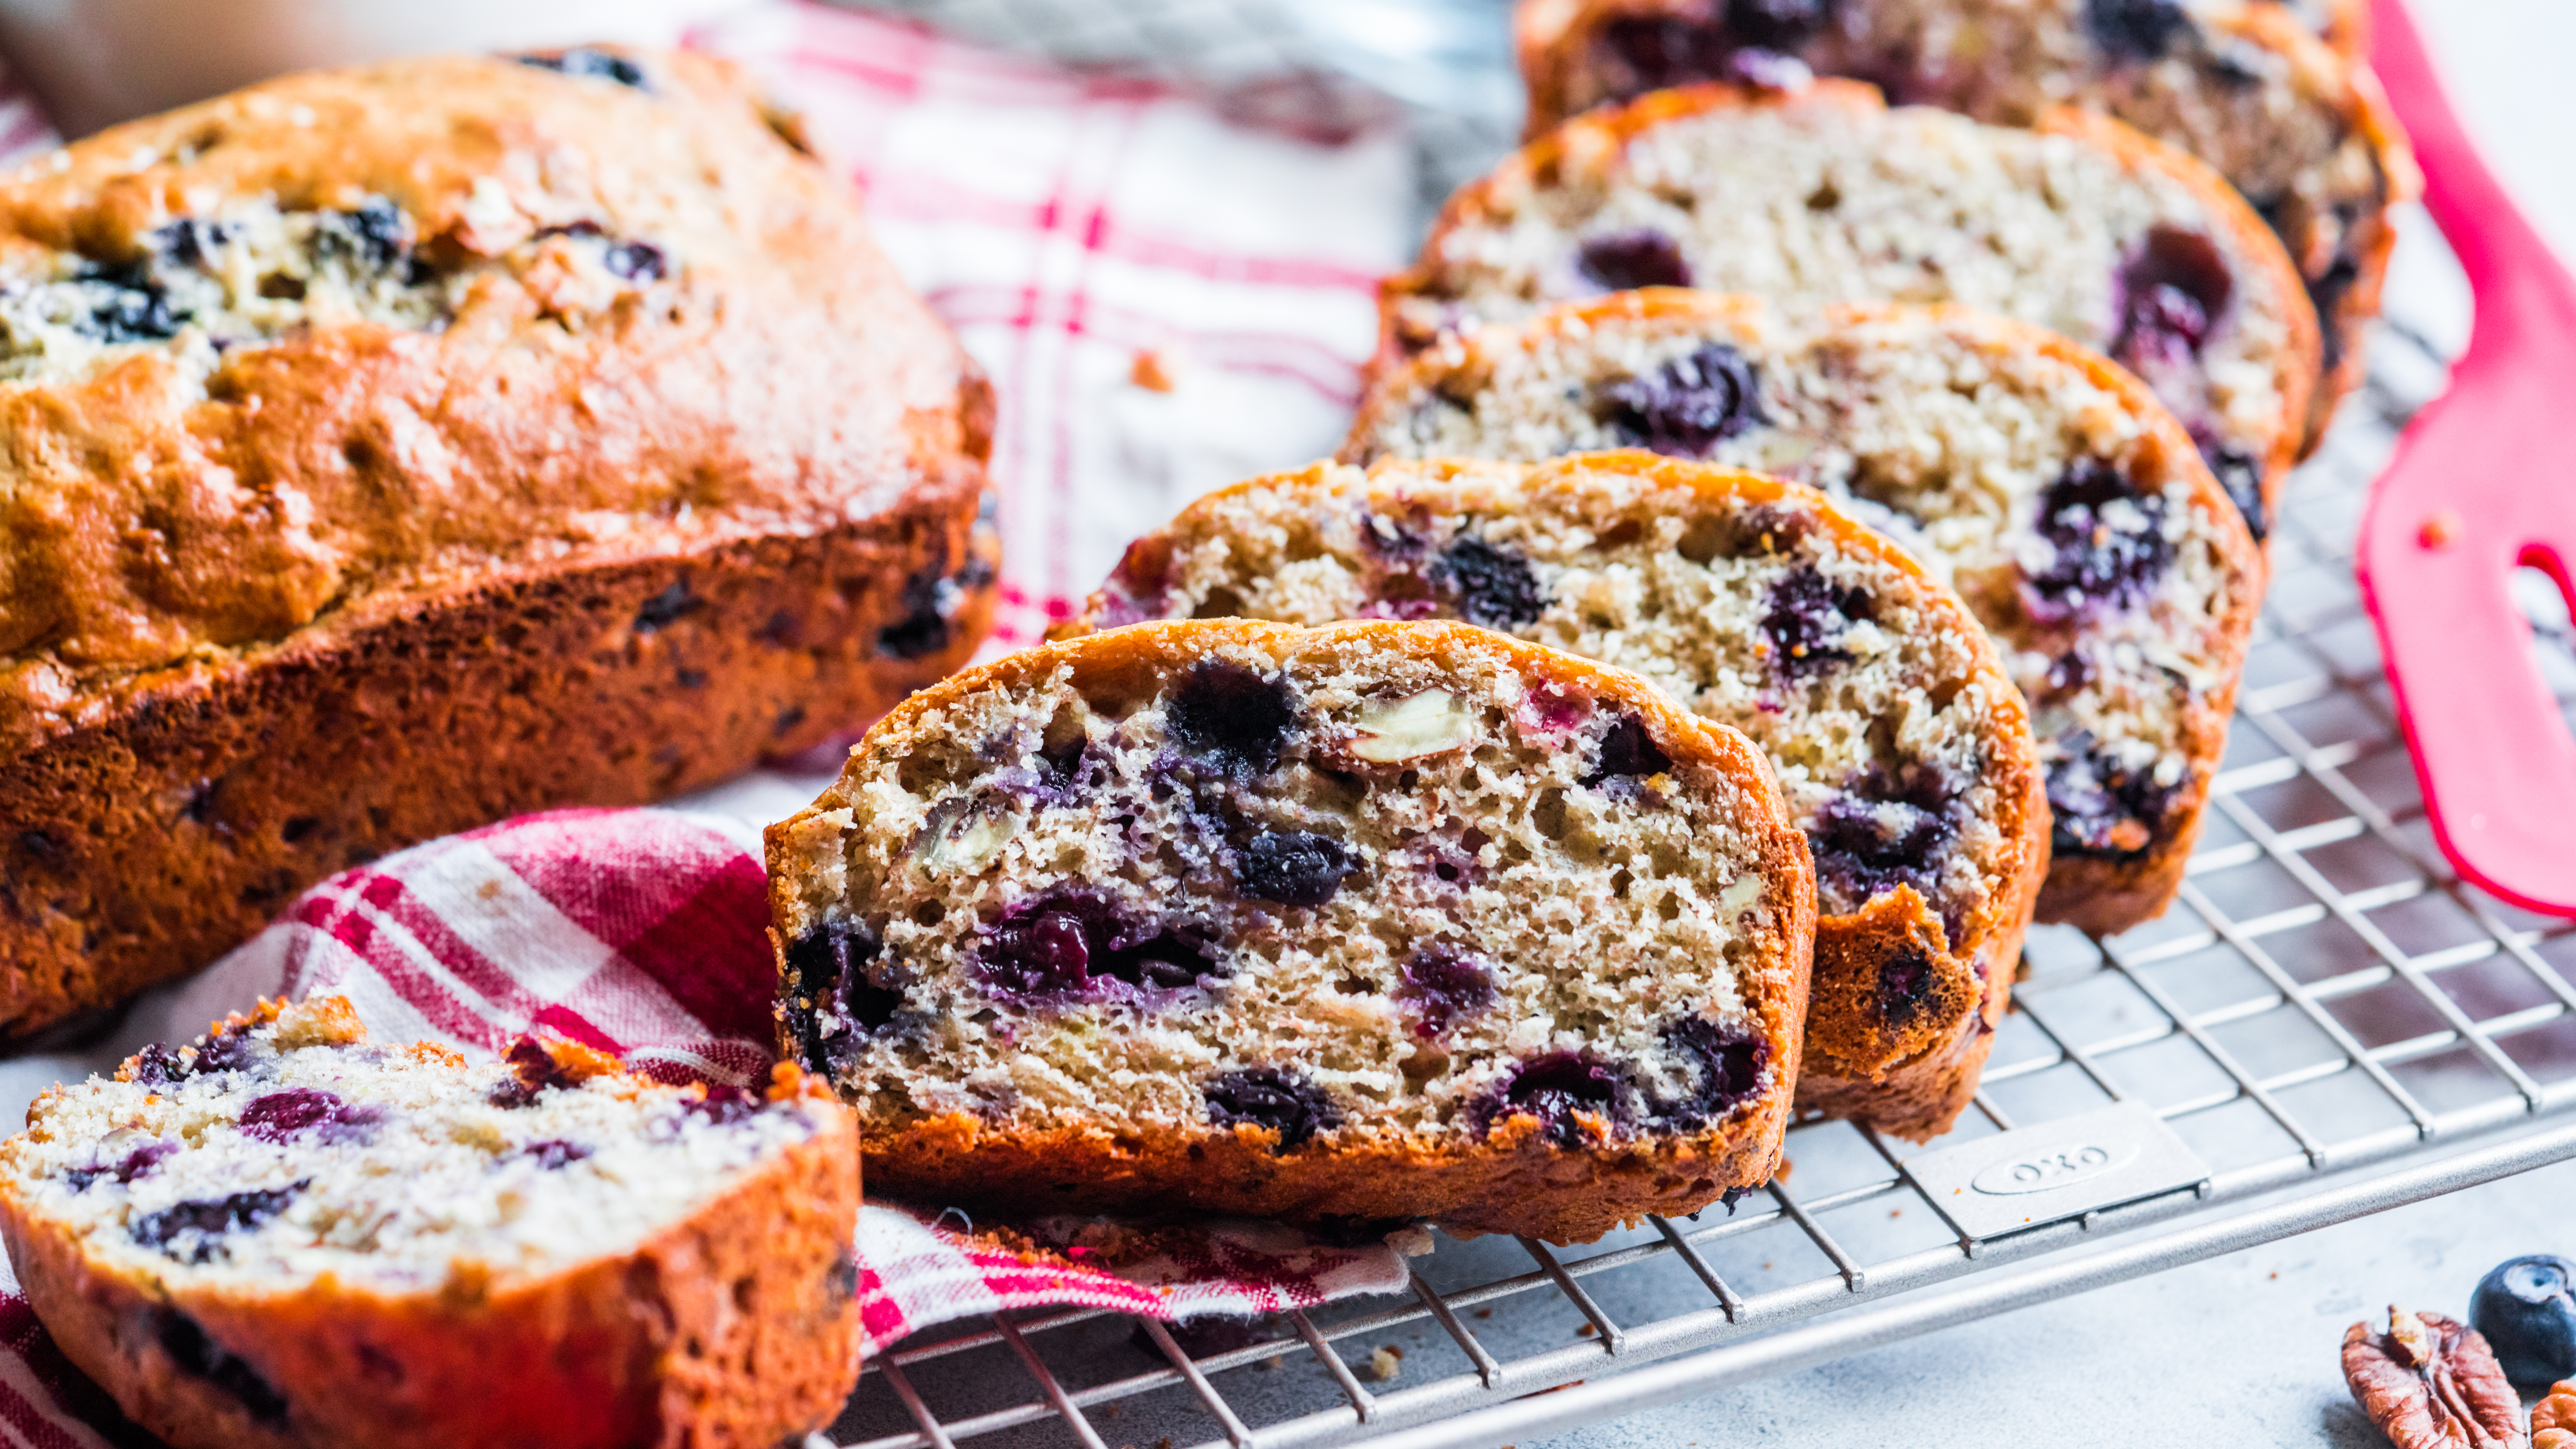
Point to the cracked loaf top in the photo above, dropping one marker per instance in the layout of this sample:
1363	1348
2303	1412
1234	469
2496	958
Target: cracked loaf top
298	357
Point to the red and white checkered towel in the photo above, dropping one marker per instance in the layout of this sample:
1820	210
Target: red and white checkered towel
1167	302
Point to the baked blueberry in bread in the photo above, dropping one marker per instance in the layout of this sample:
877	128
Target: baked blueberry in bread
286	1235
401	448
2129	248
2066	507
2245	85
1901	745
1377	921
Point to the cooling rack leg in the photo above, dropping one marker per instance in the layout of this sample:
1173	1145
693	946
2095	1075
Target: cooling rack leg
1847	1334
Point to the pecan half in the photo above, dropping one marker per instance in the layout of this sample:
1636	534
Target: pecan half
2553	1419
2431	1382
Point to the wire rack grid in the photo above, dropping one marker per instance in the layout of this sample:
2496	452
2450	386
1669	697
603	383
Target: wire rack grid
2326	995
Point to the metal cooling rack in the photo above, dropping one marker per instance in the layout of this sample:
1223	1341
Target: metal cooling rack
2327	1020
2326	997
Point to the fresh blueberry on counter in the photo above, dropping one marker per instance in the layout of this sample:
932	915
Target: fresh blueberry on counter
2527	1310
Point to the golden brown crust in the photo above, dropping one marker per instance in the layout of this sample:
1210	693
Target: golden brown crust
735	1327
1854	1058
1512	1181
366	585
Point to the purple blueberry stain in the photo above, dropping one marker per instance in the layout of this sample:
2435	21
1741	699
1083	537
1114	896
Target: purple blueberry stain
158	1066
1883	831
1224	712
1688	406
2240	477
2136	30
1070	945
833	1000
196	1353
1559	1089
1293	867
1904	984
1443	986
722	1105
324	1117
1491	587
138	1163
1805	619
1728	1065
1272	1097
1628	752
635	261
2172	295
208	1221
2105	545
2099	807
533	1069
554	1155
1624	261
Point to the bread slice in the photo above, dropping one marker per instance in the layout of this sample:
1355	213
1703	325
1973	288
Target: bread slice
2245	85
1902	746
401	448
286	1235
1992	450
2125	246
1376	921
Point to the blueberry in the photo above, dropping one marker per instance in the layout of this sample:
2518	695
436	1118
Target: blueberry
210	1219
1294	867
376	232
1229	714
583	60
2106	541
1061	946
2172	294
1627	752
1271	1097
1904	983
1778	24
532	1070
1556	1089
158	1066
298	1111
189	243
1883	831
125	304
930	601
1492	587
1689	405
721	1105
1623	261
555	1154
1806	618
635	261
667	608
2135	29
138	1163
828	974
1660	52
1444	985
2101	808
225	1051
2527	1310
2326	290
1729	1066
2242	479
188	1346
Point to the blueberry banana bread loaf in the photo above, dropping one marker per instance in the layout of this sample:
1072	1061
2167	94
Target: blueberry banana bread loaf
1371	922
2244	85
285	1235
397	449
2084	226
2044	484
1902	747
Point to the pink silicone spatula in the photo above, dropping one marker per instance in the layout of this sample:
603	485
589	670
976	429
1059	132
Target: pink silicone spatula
2484	481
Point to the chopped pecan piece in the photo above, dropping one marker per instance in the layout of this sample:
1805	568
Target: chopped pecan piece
2431	1382
2553	1419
